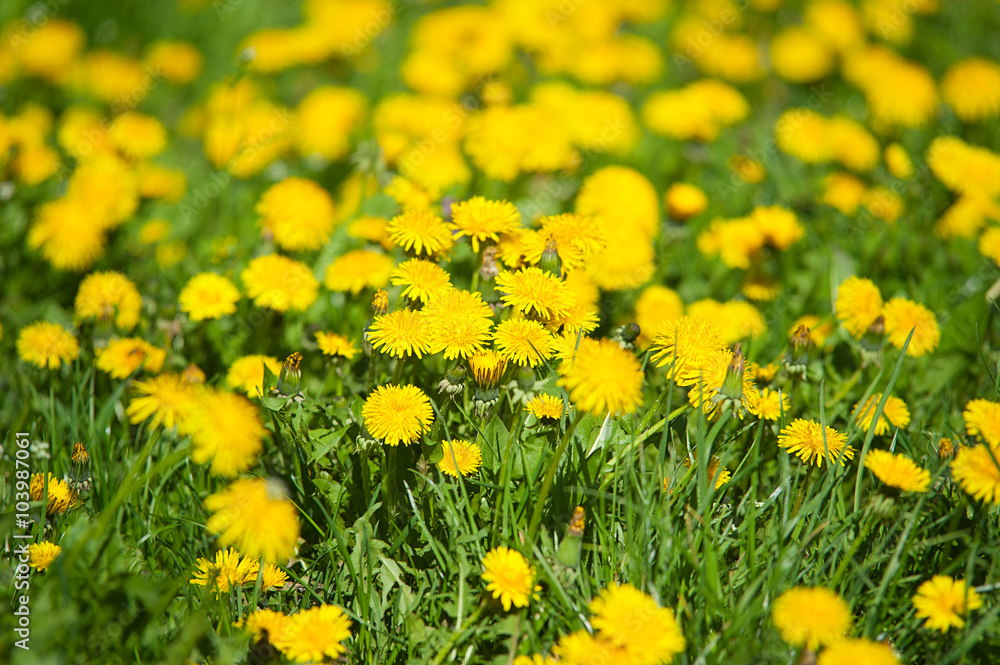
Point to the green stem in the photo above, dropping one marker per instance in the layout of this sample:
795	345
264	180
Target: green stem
372	371
550	475
398	374
438	429
366	476
505	463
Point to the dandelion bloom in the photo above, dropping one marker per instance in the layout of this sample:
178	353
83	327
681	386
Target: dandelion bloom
902	316
942	601
898	161
685	201
230	570
68	233
768	404
166	399
208	296
421	233
808	440
314	635
487	368
483	220
581	647
685	345
894	413
137	136
107	296
548	409
41	555
978	473
856	652
897	471
982	419
256	517
657	305
859	303
523	342
47	344
225	429
264	623
533	291
397	414
358	270
718	474
60	497
460	323
298	212
819	330
422	280
336	346
247	373
123	356
603	377
646	633
460	458
280	283
972	88
402	333
575	237
509	577
810	617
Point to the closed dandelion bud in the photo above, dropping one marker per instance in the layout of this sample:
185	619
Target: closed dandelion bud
487	369
380	303
290	379
365	441
79	476
883	506
568	553
550	261
732	385
946	448
872	342
453	382
525	378
797	356
193	374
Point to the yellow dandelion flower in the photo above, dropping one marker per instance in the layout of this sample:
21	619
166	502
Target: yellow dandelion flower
421	233
108	187
685	345
460	458
723	378
943	601
632	621
487	368
894	414
819	330
47	344
523	342
736	320
336	346
768	404
314	635
107	296
298	213
164	400
483	220
422	279
459	323
397	414
137	136
264	624
582	647
532	291
603	377
247	373
509	577
685	201
280	283
972	88
859	303
402	333
357	270
60	496
325	120
179	62
853	652
977	470
575	238
764	373
811	443
964	168
897	471
41	555
372	229
902	316
799	56
982	419
226	430
656	306
256	517
844	192
68	233
208	296
122	357
231	570
547	409
717	473
156	182
809	617
898	161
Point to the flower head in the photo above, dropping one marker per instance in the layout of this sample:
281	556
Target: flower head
225	429
902	316
107	296
68	233
264	624
982	419
768	404
686	345
972	88
397	414
810	617
422	280
280	283
602	377
854	652
256	517
41	555
230	570
247	373
137	136
811	443
859	303
646	633
357	270
684	201
548	409
894	413
208	296
60	496
461	458
487	368
459	322
314	635
509	577
482	220
534	292
47	344
298	213
421	233
402	333
977	470
336	346
123	356
897	471
523	342
943	601
165	399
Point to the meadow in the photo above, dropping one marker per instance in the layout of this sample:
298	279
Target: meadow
521	332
